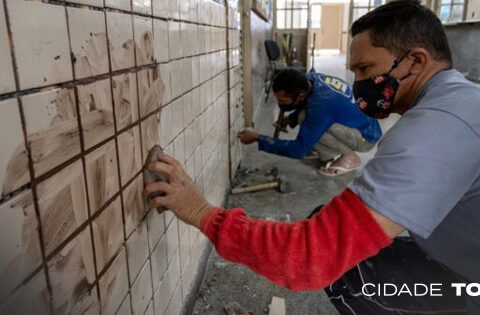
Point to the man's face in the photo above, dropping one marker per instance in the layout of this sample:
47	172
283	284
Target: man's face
367	61
285	100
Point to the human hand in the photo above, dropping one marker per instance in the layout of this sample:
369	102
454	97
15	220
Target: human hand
181	195
248	136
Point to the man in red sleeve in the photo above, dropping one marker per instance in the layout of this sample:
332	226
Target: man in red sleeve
425	178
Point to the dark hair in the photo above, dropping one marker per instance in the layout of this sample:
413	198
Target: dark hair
403	24
291	81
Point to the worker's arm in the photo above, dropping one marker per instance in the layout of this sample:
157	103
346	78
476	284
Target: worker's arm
311	130
306	255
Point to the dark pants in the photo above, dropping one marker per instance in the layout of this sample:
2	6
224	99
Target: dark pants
401	263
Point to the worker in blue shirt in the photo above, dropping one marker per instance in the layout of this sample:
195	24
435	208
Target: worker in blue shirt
332	127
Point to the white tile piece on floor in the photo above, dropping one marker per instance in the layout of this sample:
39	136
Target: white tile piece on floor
31	298
7	79
96	3
143	33
52	128
120	36
118	4
13	156
160	40
160	8
88	38
142	290
19	241
142	6
40	39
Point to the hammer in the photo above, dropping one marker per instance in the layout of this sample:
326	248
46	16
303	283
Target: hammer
279	127
280	183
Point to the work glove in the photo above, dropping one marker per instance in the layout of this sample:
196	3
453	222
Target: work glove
180	194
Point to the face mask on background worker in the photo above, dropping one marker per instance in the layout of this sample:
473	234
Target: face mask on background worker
298	102
375	95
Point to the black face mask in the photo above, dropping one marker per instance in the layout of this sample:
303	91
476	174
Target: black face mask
375	95
292	106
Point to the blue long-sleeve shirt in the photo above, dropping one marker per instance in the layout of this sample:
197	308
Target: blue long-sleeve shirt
331	101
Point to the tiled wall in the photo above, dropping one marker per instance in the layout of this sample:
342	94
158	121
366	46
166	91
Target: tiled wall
86	88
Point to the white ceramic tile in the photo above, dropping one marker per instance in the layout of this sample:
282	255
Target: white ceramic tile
142	290
163	71
150	128
19	241
52	128
177	115
41	43
88	38
129	154
118	4
179	148
156	227
143	33
102	175
151	90
160	40
174	40
176	302
31	298
134	204
126	307
137	250
125	99
176	77
142	6
13	156
162	295
160	8
72	275
7	79
174	8
150	309
96	112
187	82
108	233
113	285
97	3
159	261
62	202
120	36
172	238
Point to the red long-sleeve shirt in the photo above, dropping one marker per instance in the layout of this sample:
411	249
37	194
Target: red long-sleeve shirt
305	255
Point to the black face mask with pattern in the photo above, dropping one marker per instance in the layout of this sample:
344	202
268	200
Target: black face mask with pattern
375	95
293	105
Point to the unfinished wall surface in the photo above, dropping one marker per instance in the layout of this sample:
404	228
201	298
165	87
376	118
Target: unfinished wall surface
463	40
261	30
86	88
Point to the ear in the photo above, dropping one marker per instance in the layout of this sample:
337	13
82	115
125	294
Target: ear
420	59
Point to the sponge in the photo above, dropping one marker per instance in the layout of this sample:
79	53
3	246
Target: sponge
154	176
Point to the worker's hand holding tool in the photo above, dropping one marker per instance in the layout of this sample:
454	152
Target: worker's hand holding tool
282	125
180	193
248	136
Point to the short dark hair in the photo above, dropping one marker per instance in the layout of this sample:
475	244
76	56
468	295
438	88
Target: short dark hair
401	25
291	81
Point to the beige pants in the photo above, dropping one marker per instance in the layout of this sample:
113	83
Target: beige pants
341	140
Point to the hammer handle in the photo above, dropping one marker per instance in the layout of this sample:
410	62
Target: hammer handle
254	188
279	124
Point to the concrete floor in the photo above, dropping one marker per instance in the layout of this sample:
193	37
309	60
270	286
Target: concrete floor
225	282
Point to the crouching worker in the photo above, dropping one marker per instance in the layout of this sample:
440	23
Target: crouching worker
332	127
